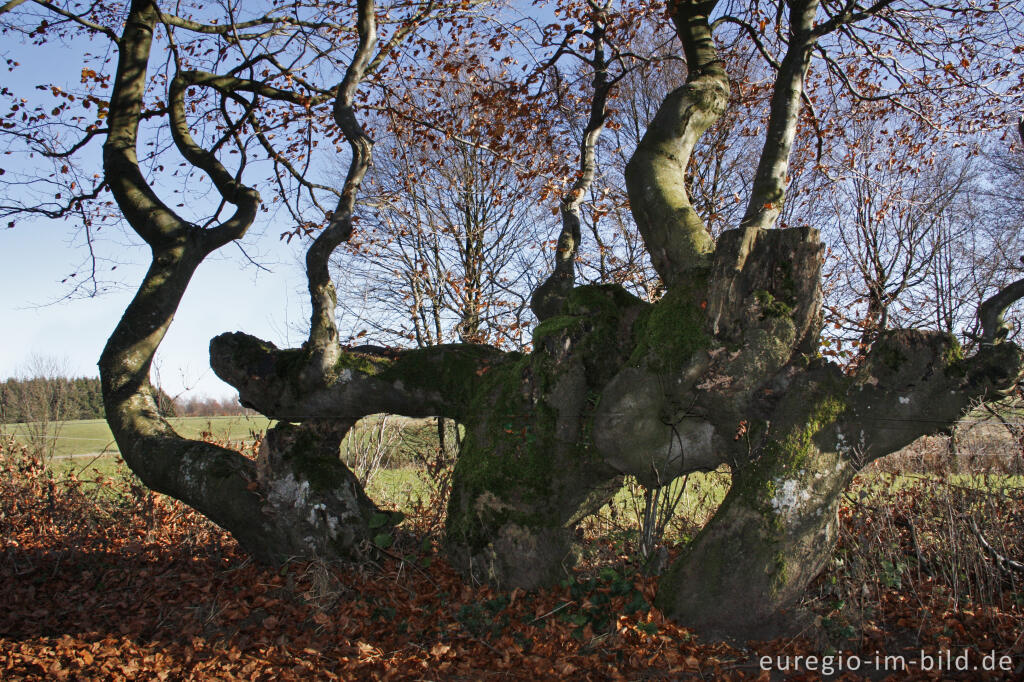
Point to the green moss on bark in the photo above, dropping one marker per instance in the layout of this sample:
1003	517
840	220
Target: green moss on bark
888	354
370	365
788	457
527	461
552	326
509	451
668	333
953	359
771	306
448	370
599	298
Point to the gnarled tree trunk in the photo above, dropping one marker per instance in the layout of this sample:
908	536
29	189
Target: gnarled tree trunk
299	499
722	369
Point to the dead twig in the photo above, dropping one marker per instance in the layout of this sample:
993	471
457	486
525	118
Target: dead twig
1005	563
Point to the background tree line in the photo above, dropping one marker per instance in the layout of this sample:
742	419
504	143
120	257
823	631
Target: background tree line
54	398
44	398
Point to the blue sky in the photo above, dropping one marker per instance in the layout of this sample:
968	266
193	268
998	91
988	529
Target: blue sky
227	294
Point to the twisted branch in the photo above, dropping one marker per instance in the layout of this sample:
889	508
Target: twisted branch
323	334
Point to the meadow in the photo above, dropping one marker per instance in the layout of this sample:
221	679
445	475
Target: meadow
92	436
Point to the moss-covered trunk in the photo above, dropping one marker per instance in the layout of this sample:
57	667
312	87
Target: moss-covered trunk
524	473
528	469
808	431
743	574
316	500
721	369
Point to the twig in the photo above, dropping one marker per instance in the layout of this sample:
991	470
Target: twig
552	612
1002	562
402	561
921	562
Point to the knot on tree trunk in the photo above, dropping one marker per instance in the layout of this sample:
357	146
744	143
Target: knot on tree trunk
548	299
902	358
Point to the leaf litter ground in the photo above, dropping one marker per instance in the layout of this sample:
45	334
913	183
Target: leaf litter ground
106	583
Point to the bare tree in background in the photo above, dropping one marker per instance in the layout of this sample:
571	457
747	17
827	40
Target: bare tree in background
43	402
896	209
448	249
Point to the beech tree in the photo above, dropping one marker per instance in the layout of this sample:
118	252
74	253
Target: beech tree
448	244
723	368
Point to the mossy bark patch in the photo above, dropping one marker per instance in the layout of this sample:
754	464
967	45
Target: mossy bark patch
527	463
670	332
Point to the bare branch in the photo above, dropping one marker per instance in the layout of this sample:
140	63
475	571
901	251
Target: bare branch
274	23
547	299
848	16
323	335
230	84
92	26
1002	562
8	6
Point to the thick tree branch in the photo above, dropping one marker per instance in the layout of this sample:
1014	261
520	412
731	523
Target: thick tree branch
211	479
769	189
916	383
228	84
674	234
8	6
274	24
246	199
431	381
144	211
214	480
994	329
547	299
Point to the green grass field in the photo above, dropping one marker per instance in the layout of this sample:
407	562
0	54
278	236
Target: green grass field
398	484
91	436
401	482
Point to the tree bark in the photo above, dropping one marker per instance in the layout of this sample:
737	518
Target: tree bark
673	233
527	469
297	500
